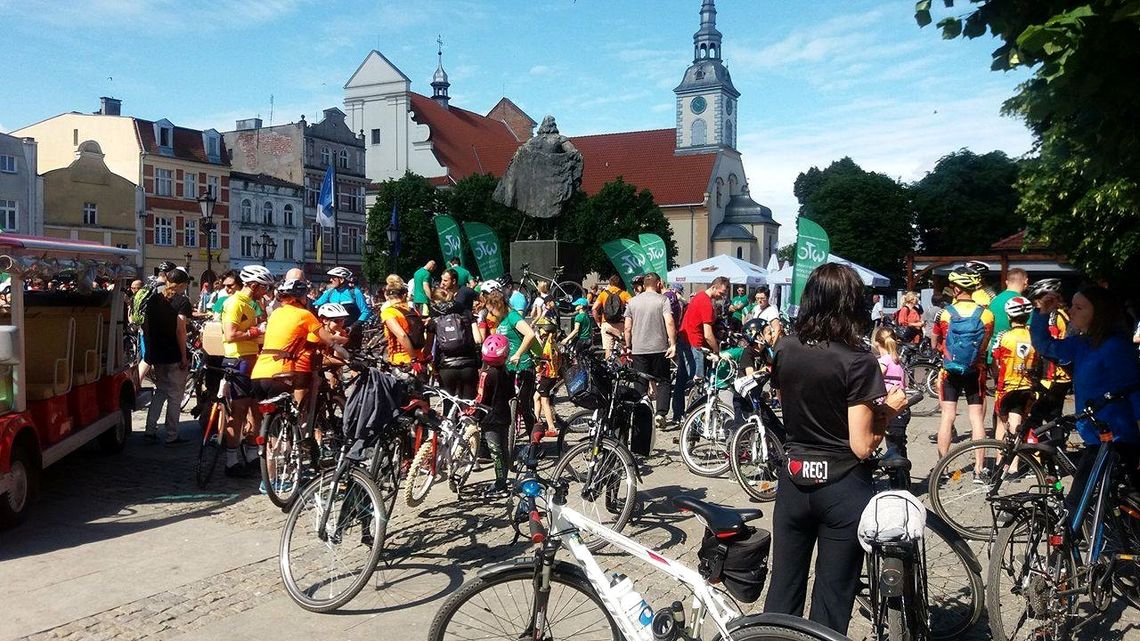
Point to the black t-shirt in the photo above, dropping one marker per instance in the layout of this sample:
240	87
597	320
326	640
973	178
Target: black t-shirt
465	298
161	333
470	356
754	358
181	304
496	388
817	384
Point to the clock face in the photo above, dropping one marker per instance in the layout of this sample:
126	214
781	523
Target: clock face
728	107
698	105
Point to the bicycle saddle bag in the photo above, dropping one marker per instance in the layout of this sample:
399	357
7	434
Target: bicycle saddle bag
740	563
891	516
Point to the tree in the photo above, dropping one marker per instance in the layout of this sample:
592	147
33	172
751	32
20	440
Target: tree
618	210
967	203
470	201
1080	193
786	254
417	202
867	215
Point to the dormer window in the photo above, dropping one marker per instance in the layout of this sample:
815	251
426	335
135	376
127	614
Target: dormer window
212	141
164	136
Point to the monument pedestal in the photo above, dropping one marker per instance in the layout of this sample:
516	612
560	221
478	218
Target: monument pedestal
543	256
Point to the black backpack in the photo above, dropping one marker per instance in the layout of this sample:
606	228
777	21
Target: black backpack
416	334
453	336
613	310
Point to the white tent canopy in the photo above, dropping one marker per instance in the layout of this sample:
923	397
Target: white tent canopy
870	278
738	272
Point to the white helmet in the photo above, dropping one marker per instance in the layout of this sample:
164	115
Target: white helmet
332	310
256	274
340	272
489	286
294	287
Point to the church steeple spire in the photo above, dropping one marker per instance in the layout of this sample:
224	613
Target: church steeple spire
706	41
439	82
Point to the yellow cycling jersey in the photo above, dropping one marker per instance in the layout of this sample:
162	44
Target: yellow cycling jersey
238	310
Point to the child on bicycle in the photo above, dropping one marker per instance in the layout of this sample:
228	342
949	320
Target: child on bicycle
549	370
886	349
496	388
1016	361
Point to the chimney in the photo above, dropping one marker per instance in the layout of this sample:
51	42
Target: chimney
249	123
110	106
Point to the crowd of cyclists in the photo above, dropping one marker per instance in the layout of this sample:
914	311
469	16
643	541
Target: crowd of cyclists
835	370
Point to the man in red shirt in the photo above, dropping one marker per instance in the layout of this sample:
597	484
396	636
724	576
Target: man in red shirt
696	333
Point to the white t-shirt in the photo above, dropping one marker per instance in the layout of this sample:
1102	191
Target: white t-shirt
877	312
769	313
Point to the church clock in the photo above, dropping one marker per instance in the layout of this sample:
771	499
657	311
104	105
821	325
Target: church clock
698	105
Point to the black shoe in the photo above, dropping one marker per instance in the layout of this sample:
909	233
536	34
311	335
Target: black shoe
498	490
953	437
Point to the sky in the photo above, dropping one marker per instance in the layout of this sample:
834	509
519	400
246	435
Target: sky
819	79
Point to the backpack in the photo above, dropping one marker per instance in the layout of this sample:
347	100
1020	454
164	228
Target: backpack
964	338
613	310
453	336
416	334
137	314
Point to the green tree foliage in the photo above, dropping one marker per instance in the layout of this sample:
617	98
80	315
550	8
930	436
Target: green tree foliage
966	203
470	201
618	210
417	202
786	254
1080	194
867	215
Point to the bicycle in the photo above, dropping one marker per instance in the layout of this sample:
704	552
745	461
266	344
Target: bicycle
707	428
756	450
1045	558
564	293
213	442
552	598
448	451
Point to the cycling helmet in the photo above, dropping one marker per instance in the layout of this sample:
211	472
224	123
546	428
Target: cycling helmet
518	301
340	272
332	310
256	274
495	349
1018	307
978	267
166	266
967	279
581	302
754	329
489	286
1042	287
294	287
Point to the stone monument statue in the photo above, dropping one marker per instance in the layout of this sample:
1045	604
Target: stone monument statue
543	175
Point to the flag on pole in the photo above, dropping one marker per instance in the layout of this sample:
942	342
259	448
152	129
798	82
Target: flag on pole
812	248
320	242
394	224
628	257
325	200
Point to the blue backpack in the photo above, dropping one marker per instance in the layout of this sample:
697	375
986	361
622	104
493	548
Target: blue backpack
963	341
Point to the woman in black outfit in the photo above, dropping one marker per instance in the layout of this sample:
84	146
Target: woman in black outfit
457	359
829	384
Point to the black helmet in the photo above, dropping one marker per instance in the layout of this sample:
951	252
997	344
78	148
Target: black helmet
166	266
754	329
1042	287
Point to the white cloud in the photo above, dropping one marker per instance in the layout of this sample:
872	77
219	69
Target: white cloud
663	107
541	70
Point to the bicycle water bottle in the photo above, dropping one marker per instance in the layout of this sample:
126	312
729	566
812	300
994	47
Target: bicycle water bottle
632	605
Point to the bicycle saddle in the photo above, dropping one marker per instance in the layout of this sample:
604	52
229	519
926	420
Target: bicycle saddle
722	521
895	463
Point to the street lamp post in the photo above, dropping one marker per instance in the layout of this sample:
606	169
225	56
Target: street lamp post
267	247
206	202
188	257
393	234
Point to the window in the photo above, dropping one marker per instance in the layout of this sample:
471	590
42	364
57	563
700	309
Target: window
719	189
376	136
247	246
190	186
213	148
353	240
212	186
165	136
352	199
733	183
246	210
90	214
121	245
8	164
729	136
740	253
287	248
327	240
288	215
164	182
343	159
163	231
700	132
326	157
311	237
345	239
190	233
267	213
8	215
215	243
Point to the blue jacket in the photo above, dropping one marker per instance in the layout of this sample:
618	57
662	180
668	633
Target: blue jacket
1096	371
344	295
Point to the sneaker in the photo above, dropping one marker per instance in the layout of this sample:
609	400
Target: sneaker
261	488
982	476
953	437
551	434
496	490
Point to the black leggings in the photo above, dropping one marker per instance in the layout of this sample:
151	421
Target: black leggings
495	435
460	381
829	516
524	381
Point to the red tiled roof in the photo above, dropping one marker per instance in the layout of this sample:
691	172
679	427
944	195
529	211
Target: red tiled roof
1016	242
468	143
188	143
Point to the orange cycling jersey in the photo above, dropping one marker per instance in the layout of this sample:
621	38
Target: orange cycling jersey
1016	360
1052	372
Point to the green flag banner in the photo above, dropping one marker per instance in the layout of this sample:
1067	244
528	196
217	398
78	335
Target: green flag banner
655	253
628	257
485	246
450	238
812	248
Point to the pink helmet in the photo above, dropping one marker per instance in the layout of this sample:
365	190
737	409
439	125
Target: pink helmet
495	348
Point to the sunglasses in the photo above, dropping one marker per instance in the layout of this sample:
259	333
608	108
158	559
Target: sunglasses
230	285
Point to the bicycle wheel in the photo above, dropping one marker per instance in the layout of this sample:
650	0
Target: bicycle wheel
953	581
463	458
924	378
384	468
567	292
281	462
501	606
324	570
421	474
190	389
770	630
1024	577
580	422
959	496
212	445
705	447
602	485
755	470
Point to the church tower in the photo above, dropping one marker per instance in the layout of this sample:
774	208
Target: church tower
439	83
706	99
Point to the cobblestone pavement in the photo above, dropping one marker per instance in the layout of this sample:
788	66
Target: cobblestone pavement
127	547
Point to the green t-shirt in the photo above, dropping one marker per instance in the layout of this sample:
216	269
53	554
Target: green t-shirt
1001	319
421	276
462	273
743	302
585	326
514	338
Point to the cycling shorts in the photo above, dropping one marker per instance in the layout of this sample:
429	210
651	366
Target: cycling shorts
971	385
546	387
1014	402
241	386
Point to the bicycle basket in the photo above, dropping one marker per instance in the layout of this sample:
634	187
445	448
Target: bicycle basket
891	516
741	564
582	386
